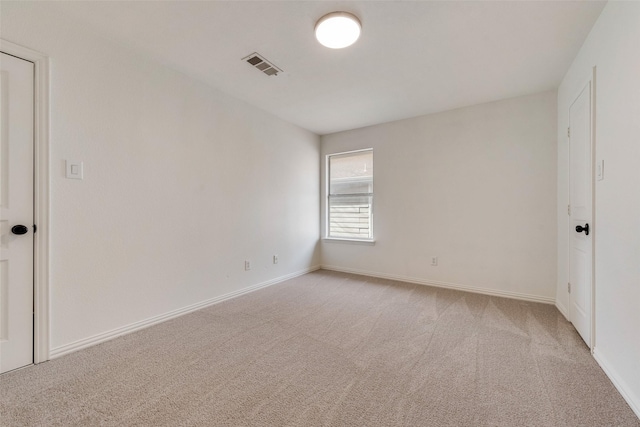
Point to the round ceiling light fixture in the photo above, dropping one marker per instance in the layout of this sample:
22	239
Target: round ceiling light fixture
336	30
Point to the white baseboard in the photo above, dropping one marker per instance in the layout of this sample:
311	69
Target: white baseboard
106	336
562	309
629	396
473	289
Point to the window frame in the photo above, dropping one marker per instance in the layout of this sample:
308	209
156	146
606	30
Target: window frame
327	236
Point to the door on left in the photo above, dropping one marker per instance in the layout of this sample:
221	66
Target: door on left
16	212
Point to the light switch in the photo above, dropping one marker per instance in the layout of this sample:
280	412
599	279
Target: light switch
74	169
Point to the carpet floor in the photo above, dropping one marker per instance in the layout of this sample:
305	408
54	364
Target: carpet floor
330	349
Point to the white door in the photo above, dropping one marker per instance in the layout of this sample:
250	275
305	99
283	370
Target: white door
580	206
16	212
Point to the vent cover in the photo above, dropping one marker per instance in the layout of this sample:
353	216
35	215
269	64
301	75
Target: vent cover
262	64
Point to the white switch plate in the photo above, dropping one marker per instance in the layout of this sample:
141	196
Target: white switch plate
600	170
74	169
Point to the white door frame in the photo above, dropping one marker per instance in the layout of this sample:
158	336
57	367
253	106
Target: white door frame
41	197
592	98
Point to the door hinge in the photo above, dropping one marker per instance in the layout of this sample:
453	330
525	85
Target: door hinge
569	210
569	287
35	228
569	132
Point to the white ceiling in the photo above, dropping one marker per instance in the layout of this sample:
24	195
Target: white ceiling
413	58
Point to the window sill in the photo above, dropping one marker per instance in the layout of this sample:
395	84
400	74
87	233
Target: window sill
351	241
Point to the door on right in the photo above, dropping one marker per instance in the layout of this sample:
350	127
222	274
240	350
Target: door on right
581	214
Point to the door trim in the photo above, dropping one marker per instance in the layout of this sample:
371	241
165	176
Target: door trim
590	79
41	332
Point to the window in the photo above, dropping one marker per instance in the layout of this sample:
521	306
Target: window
350	195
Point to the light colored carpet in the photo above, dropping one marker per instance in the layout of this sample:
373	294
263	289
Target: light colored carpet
330	349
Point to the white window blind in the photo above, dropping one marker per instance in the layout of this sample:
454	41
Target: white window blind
350	195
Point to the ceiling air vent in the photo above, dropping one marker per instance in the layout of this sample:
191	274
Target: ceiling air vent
262	64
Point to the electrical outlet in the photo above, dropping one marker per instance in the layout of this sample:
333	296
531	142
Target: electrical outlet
247	265
434	261
275	259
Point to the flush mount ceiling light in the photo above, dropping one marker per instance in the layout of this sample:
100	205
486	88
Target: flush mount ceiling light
338	29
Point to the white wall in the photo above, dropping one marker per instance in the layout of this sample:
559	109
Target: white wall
475	187
613	48
182	184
